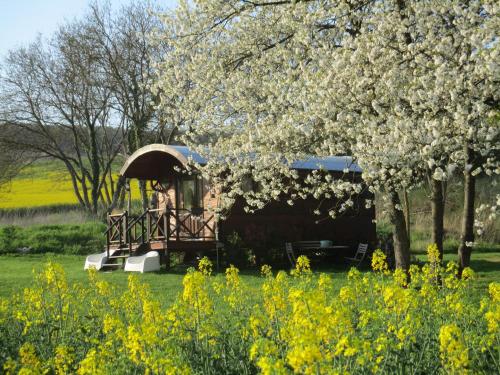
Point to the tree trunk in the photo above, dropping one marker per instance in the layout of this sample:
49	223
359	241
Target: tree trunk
144	195
117	194
400	235
407	214
74	182
129	198
121	200
437	205
467	235
96	170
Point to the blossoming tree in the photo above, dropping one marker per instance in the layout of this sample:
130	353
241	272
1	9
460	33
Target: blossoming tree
405	87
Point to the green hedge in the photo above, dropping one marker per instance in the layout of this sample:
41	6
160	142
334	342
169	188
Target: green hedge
60	239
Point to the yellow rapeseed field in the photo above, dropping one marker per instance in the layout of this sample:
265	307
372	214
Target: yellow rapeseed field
40	185
429	321
52	189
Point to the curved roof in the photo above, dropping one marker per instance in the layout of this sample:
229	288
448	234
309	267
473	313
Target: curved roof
154	161
181	153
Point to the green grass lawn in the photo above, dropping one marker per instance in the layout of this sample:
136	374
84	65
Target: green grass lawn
17	273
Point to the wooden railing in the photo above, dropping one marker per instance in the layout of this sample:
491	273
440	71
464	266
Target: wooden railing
152	225
116	233
197	224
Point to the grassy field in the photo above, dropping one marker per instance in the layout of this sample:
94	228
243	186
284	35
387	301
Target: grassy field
17	273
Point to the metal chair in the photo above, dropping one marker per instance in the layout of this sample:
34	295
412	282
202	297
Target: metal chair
360	255
289	253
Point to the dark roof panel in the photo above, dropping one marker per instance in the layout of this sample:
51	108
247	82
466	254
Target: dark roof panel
329	163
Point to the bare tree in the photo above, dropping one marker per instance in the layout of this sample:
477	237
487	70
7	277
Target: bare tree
87	97
55	101
12	160
128	55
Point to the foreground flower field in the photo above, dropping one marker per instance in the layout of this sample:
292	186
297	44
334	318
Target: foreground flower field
380	322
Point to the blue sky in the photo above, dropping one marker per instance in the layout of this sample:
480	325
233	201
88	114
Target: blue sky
22	20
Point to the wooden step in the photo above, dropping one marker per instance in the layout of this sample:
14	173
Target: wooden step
112	265
158	245
123	245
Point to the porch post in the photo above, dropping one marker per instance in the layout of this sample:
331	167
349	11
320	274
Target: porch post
129	195
217	244
148	225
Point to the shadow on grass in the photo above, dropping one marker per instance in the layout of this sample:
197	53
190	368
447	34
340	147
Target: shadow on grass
478	265
255	271
451	247
482	265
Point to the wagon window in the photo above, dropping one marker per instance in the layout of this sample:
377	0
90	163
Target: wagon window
190	192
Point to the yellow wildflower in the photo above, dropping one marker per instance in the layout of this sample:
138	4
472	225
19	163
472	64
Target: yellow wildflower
233	283
205	266
454	353
468	274
10	367
266	270
133	344
302	266
379	262
29	360
63	360
493	319
400	277
433	254
494	291
303	356
324	282
91	364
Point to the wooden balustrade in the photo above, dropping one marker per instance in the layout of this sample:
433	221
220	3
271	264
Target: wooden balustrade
116	233
191	224
153	225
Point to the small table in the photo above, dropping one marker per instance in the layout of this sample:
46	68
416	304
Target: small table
333	247
311	246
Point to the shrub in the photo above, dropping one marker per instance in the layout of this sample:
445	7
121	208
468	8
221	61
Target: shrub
60	239
236	252
8	238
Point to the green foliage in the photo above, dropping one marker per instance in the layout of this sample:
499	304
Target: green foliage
236	252
384	234
7	238
59	239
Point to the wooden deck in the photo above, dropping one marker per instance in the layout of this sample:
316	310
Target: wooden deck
163	231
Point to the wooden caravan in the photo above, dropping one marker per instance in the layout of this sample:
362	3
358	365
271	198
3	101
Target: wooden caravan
181	217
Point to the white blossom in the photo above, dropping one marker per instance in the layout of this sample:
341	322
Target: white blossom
400	90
